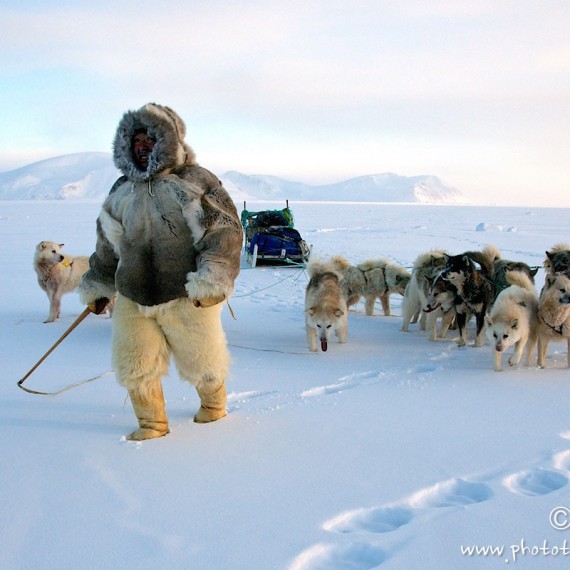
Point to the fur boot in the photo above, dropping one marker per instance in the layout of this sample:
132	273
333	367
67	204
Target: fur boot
212	404
149	409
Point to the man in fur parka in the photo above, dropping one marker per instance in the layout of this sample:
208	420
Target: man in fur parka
168	243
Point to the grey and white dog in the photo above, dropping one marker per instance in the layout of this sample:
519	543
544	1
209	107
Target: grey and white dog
372	279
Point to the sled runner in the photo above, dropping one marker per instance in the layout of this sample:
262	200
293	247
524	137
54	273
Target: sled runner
271	239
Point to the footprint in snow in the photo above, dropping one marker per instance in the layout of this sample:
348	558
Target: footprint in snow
535	481
451	493
345	383
455	492
236	399
384	519
376	520
355	556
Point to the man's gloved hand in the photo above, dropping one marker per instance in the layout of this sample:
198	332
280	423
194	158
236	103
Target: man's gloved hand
203	292
98	306
208	301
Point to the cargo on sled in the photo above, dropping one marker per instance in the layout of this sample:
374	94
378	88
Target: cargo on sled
271	238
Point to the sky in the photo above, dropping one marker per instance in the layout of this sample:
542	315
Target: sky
476	92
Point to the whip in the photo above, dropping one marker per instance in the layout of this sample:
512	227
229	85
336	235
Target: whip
75	323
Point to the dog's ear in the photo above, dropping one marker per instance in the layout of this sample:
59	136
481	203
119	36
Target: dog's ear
549	255
514	323
533	272
470	262
61	244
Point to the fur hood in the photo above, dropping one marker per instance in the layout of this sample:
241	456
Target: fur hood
170	150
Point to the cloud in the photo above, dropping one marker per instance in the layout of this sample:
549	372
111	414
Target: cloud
447	86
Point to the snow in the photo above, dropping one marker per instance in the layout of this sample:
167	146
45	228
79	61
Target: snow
389	451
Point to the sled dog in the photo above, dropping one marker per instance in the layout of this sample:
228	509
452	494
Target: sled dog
558	259
325	305
353	281
57	273
471	272
501	267
426	269
372	279
513	320
441	303
553	314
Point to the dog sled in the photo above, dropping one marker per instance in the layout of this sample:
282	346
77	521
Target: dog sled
271	238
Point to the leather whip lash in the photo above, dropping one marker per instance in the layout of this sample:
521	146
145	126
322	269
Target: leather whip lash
75	323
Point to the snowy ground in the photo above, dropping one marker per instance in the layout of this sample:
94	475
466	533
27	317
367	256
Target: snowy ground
387	452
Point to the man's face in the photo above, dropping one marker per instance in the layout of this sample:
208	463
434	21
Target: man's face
142	147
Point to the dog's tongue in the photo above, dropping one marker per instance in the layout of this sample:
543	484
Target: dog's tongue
324	345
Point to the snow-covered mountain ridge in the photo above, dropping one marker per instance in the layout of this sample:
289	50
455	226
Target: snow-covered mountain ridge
90	175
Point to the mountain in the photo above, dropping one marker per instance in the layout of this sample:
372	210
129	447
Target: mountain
85	175
90	175
386	187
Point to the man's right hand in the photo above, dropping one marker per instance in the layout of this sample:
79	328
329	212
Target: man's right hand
98	306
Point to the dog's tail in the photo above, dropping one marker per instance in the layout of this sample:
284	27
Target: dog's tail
432	258
492	253
520	279
340	262
485	258
370	264
317	266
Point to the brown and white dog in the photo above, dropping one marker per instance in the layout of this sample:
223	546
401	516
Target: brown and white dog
553	314
325	305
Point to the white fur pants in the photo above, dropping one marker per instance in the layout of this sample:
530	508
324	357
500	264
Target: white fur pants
144	338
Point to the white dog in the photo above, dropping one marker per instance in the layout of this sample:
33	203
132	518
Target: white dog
553	314
513	320
57	273
325	305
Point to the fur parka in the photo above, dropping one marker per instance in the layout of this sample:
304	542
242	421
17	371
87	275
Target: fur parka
167	232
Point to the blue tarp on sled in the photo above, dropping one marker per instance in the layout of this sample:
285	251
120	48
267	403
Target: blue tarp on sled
270	238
